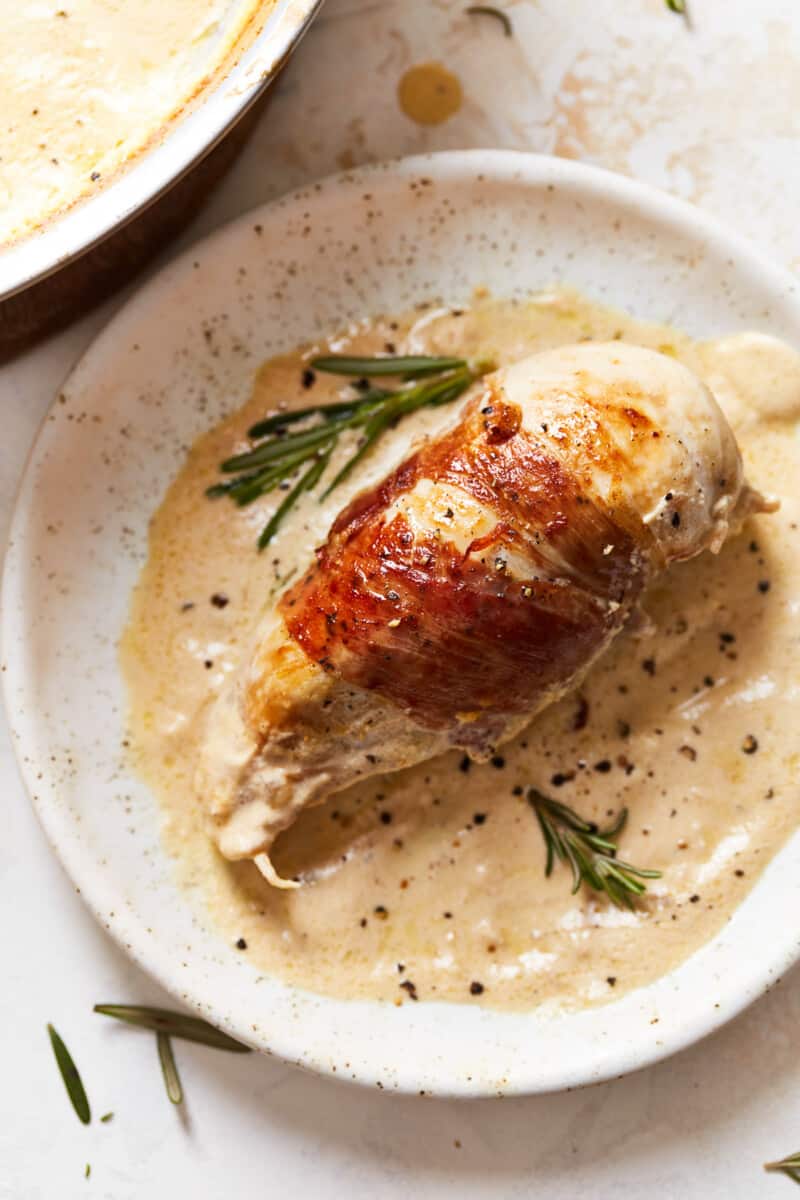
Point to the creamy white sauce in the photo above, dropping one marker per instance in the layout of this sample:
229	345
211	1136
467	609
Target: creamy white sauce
84	84
691	725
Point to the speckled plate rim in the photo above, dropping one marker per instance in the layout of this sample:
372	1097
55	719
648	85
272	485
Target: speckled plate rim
444	1049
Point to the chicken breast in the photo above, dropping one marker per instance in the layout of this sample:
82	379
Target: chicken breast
475	585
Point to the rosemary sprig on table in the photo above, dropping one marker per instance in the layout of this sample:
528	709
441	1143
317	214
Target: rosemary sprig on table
789	1166
590	851
282	455
72	1080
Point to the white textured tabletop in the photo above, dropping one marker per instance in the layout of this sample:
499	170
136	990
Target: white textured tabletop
710	111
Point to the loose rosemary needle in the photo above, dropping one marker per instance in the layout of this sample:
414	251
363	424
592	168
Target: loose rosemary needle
411	366
295	459
72	1080
172	1080
789	1166
590	851
489	10
172	1024
680	7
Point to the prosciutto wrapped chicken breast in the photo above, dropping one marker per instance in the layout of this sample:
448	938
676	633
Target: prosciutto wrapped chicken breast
475	585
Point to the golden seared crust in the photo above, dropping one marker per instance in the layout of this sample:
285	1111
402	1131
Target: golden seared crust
279	676
449	632
608	435
642	434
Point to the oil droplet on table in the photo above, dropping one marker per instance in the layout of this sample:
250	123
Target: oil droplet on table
429	94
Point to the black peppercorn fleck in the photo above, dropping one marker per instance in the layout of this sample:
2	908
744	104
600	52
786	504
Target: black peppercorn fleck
475	988
581	716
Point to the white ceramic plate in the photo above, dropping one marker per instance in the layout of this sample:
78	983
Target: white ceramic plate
377	240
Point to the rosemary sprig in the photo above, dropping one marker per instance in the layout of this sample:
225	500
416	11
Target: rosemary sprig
173	1024
282	453
488	10
172	1080
72	1080
590	851
789	1166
